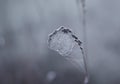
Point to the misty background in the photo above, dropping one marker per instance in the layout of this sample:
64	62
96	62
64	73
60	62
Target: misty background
24	28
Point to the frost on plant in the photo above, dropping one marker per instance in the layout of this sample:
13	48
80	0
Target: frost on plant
68	45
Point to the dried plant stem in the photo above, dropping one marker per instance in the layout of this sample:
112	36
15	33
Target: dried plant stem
84	50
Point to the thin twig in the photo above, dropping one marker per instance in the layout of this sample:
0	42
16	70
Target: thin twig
85	65
84	49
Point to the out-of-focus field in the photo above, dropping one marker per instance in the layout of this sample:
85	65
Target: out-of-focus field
25	57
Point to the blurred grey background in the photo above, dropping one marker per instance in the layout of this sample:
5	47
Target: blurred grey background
25	57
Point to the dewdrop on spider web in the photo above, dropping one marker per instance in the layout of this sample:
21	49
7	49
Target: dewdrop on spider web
68	45
62	40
